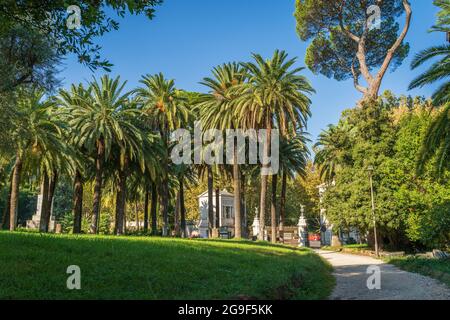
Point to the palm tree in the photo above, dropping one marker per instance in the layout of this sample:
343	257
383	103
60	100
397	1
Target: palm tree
67	100
217	112
440	70
437	141
331	151
40	148
99	126
275	96
128	154
166	109
293	159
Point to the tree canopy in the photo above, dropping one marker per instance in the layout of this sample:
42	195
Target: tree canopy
345	44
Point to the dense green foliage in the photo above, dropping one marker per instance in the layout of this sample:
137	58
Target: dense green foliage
110	149
49	19
410	209
157	268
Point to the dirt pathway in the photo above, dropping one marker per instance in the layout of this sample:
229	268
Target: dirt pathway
351	280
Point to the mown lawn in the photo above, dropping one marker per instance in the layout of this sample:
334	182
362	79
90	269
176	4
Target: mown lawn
438	269
33	266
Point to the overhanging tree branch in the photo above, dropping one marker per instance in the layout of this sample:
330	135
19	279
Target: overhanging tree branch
395	46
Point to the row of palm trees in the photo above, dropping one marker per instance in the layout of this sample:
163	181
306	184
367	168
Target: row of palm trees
102	134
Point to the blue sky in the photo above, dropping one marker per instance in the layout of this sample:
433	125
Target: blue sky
188	38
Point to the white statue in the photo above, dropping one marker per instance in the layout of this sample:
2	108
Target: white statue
256	224
302	228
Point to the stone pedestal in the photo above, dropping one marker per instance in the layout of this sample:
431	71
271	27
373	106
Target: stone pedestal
335	242
36	218
302	231
203	228
255	226
215	233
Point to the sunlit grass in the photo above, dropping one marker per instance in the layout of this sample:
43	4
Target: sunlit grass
438	269
33	266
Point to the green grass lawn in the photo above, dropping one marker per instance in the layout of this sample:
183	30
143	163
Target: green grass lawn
33	266
438	269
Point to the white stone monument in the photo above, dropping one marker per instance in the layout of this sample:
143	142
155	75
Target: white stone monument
302	228
225	211
255	225
36	218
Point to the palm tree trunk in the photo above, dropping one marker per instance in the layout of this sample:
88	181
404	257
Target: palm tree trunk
136	212
77	202
273	208
53	181
98	185
14	206
217	220
264	176
146	210
121	201
153	209
243	207
210	199
44	221
5	217
182	209
177	215
164	207
283	202
237	197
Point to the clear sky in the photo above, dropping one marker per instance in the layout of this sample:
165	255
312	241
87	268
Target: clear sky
188	38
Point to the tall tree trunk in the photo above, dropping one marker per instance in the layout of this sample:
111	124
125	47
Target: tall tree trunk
5	217
273	208
153	209
283	202
136	212
44	221
125	228
146	210
98	185
210	199
164	204
182	209
237	197
164	207
243	207
53	181
119	228
217	219
77	202
14	204
376	81
264	177
177	215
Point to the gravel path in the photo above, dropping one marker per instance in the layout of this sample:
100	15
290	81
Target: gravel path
351	280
